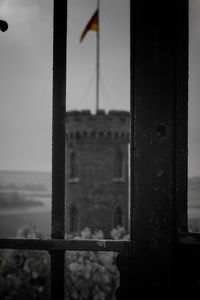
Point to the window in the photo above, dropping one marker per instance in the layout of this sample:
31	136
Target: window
73	219
160	261
118	165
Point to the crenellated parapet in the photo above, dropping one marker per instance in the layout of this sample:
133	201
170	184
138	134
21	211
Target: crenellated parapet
84	124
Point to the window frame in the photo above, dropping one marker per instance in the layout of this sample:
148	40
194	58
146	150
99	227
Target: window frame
159	65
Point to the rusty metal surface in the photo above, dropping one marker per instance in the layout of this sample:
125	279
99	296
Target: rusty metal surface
58	145
58	130
159	72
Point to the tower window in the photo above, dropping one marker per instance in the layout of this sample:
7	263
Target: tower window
118	217
73	219
118	165
73	166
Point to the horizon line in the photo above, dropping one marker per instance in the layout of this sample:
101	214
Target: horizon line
49	171
25	171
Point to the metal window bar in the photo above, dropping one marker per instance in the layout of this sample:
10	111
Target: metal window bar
159	58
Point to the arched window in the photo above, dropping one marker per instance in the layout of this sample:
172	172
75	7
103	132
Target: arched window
118	165
118	217
73	219
73	166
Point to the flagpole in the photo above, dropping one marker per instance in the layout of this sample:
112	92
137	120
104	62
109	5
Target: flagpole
97	59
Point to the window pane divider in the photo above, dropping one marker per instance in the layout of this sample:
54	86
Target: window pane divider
61	244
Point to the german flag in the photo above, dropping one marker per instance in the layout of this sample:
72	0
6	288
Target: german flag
93	25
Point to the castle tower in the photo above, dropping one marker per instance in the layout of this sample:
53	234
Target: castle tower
96	170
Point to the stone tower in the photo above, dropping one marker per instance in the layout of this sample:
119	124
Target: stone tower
97	185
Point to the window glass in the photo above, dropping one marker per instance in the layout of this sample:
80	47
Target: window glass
91	275
25	115
98	115
193	123
24	274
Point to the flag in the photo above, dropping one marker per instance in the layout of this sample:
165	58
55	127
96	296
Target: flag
93	25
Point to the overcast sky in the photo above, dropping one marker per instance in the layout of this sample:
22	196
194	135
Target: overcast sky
194	88
26	75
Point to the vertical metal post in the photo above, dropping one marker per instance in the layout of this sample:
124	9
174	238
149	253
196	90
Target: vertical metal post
159	55
59	110
57	274
58	145
98	56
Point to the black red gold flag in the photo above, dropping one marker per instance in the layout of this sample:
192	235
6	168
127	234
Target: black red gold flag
91	25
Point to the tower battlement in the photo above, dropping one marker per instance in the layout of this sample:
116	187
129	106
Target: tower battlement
114	124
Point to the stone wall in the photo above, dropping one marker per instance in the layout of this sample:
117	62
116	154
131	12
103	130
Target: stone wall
95	191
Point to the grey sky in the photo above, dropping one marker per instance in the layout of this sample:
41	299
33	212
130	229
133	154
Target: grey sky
194	88
26	75
114	55
25	85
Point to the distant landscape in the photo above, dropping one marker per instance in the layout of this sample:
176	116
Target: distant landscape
25	198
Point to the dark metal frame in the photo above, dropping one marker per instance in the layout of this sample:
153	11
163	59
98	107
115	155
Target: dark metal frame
157	261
